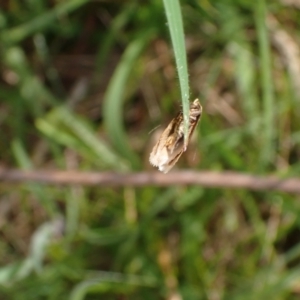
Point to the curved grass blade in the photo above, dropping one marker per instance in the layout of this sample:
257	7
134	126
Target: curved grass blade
113	100
103	281
66	128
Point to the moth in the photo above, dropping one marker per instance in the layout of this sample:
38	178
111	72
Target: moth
170	145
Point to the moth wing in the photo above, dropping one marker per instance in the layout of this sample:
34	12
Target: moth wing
165	168
159	155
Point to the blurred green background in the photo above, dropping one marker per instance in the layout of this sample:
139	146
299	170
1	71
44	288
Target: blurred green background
82	85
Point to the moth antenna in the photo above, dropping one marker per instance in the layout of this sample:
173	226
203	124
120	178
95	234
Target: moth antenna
153	129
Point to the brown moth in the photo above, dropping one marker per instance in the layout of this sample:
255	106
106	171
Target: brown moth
170	145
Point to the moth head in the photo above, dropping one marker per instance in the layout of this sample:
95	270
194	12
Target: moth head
195	109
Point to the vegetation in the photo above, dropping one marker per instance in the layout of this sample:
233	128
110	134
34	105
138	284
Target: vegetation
83	83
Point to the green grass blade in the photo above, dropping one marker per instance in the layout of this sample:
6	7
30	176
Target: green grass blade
245	75
173	12
66	128
102	282
268	152
113	100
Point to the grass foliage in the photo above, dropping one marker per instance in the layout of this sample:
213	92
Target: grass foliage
82	85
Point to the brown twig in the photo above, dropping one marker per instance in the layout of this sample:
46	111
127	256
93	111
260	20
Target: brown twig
208	179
